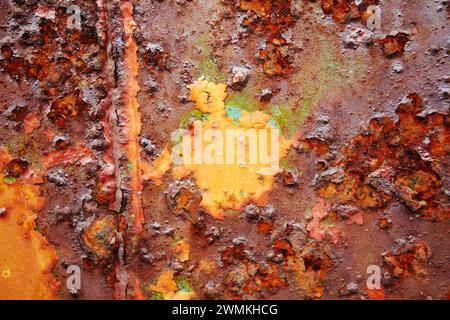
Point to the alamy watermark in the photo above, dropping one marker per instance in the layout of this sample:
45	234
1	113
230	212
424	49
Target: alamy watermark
232	146
73	282
374	280
374	20
74	20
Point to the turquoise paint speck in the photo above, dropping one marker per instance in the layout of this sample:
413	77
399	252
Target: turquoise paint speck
233	112
273	123
276	111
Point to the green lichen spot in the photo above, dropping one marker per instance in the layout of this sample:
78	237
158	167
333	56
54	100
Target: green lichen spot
155	295
28	150
244	101
9	180
194	114
286	118
183	284
130	165
207	65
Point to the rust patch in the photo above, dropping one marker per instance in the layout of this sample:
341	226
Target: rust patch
409	259
312	268
101	238
346	10
272	18
394	160
245	277
394	45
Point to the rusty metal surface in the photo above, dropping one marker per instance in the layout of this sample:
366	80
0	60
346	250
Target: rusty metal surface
87	117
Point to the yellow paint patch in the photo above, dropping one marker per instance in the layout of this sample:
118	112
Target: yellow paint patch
6	273
26	258
225	184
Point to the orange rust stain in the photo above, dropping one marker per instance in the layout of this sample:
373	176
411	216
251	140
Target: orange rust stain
100	237
182	250
264	227
26	258
312	144
67	107
31	123
394	45
310	266
105	188
70	155
156	170
376	294
139	295
272	19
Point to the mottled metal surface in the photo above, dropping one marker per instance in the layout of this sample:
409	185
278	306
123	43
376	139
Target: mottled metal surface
366	181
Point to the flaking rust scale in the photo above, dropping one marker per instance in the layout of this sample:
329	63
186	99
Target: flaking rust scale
116	160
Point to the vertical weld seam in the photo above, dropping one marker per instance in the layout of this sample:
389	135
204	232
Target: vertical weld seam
104	25
133	114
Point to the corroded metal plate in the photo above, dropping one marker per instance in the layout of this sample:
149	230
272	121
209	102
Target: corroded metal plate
98	95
